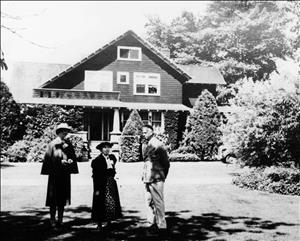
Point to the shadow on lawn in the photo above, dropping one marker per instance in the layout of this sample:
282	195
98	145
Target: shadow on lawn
33	224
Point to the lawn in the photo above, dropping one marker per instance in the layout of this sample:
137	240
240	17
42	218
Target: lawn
201	204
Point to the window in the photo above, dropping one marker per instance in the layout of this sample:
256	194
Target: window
122	77
156	119
145	117
146	84
129	53
100	80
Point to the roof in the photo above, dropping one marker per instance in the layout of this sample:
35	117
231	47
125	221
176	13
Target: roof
109	104
203	75
22	77
142	41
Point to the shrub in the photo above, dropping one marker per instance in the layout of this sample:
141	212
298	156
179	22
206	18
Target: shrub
171	128
266	130
11	119
202	134
130	138
33	149
18	151
39	117
271	179
180	157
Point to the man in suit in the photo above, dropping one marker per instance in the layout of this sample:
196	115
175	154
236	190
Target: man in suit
155	171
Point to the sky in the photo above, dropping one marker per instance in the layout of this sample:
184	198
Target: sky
72	30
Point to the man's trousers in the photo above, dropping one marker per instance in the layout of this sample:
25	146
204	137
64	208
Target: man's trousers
154	197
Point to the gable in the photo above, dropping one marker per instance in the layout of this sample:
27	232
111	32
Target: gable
106	55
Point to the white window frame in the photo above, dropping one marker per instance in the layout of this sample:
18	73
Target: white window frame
119	78
146	82
130	48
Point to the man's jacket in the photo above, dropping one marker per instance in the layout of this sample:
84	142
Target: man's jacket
156	161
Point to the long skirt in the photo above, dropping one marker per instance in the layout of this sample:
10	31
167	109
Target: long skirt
59	190
108	207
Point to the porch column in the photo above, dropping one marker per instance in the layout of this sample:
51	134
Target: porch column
162	121
115	134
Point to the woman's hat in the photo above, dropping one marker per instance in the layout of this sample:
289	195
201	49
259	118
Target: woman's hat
104	144
63	126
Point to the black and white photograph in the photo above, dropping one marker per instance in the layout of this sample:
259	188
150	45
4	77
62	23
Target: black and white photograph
150	120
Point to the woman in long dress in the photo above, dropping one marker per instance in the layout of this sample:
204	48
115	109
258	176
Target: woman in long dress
106	202
59	163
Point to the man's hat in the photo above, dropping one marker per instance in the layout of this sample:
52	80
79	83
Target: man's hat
63	126
104	144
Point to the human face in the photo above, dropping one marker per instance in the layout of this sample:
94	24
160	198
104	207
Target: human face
147	133
105	150
63	134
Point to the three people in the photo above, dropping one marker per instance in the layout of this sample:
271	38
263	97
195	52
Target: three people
59	163
106	202
155	171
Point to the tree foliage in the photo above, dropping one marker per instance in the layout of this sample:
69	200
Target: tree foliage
241	38
202	134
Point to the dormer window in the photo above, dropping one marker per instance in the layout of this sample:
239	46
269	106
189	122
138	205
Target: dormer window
129	53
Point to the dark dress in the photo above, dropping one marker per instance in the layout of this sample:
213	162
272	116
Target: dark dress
59	181
106	206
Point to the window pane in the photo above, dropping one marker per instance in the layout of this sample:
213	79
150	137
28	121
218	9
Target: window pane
123	78
156	116
140	88
153	77
134	54
152	89
124	53
144	116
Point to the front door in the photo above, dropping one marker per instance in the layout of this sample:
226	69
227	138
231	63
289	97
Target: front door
101	124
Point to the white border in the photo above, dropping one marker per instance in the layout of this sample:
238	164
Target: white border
129	47
146	82
119	73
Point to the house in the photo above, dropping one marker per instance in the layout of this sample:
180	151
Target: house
127	73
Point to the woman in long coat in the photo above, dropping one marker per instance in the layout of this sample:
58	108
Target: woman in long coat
59	163
106	202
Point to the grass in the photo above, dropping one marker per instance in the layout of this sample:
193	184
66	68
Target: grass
201	204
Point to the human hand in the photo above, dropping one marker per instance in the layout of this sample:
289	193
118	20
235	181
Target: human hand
64	162
70	161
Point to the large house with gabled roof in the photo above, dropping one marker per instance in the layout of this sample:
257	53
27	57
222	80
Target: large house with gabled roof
127	73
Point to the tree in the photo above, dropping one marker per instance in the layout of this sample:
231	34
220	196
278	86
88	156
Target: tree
265	129
241	38
130	138
202	134
12	120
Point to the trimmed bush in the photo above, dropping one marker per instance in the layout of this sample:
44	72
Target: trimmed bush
202	134
181	157
130	147
270	179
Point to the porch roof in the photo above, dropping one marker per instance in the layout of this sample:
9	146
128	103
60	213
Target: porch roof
109	104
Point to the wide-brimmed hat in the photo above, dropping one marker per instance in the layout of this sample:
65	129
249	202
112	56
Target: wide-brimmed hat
63	126
104	144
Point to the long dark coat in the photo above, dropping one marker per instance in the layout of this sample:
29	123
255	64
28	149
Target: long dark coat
59	181
106	205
